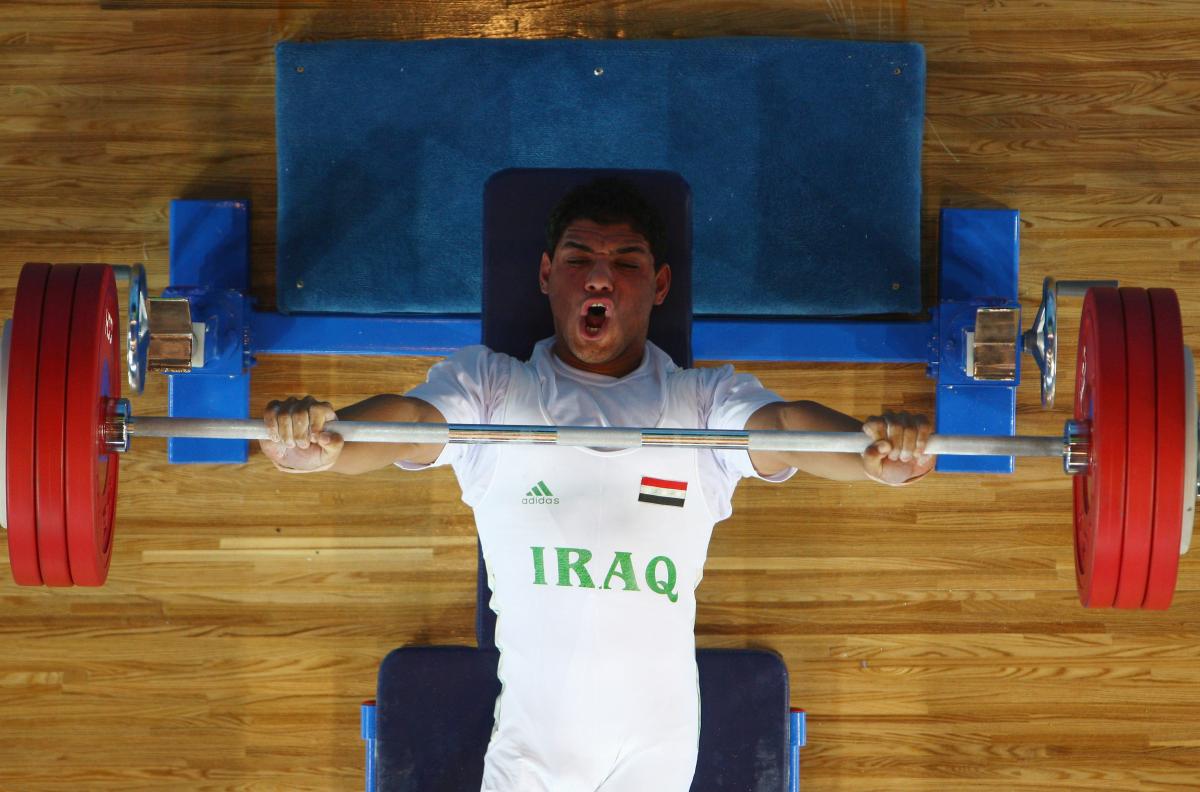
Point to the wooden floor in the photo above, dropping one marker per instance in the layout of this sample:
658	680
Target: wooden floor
933	634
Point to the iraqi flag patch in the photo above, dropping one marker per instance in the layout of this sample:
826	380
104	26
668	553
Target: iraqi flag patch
662	492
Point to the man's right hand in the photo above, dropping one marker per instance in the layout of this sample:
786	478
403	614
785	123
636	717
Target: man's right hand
299	441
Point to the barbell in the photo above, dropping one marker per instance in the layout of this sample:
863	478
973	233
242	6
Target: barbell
1131	446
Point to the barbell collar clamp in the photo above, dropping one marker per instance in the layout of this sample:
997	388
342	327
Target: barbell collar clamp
116	426
1077	438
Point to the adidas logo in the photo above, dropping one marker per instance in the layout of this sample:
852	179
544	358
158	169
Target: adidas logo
539	494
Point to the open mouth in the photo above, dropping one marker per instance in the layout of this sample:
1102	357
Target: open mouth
595	317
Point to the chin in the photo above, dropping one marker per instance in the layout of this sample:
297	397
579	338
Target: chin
594	350
592	353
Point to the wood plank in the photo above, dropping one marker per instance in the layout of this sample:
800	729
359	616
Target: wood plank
933	634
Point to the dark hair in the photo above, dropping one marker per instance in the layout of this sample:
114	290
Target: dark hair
609	200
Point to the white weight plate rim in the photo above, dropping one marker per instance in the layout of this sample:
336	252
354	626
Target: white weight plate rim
5	345
1189	451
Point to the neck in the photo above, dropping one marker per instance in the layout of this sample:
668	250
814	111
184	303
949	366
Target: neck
624	363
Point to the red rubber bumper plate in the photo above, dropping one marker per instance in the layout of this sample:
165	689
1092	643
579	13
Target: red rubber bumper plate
1171	415
51	415
5	354
20	423
91	467
1142	426
1100	403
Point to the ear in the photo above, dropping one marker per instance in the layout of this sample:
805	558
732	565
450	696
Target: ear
544	274
662	283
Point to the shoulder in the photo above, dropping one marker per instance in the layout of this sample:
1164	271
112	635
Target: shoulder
474	371
477	354
704	380
696	392
724	396
480	363
470	386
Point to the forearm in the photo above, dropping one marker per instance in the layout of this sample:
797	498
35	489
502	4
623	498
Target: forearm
358	458
807	416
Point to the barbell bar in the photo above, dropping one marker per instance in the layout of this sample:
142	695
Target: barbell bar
120	429
1131	445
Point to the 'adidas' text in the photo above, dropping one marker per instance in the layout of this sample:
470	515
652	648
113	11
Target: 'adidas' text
540	494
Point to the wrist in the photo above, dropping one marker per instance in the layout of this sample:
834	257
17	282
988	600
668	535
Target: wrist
910	480
319	469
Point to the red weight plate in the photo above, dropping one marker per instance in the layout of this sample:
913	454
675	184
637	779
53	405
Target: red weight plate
95	381
5	354
1141	425
1171	414
1100	387
51	418
19	426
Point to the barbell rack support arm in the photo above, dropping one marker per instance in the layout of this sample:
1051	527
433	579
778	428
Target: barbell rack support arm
599	437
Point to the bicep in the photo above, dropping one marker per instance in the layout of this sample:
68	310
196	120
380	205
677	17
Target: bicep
769	417
733	400
421	411
806	416
426	412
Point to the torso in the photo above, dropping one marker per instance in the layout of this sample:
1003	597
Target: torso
593	560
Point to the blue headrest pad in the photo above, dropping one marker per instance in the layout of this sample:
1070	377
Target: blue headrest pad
803	158
516	315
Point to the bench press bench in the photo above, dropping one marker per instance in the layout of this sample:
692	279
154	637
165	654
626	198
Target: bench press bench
790	173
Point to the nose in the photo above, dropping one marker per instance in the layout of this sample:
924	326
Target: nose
599	275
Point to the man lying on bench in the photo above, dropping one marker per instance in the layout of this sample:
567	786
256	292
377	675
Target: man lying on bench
594	556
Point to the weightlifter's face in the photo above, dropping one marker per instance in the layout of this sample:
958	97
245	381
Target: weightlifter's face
602	284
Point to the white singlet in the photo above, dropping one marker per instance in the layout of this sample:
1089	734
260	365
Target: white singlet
593	559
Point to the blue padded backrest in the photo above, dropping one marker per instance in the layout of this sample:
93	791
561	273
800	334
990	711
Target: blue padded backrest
435	714
803	158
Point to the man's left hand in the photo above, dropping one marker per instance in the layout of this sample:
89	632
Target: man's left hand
897	455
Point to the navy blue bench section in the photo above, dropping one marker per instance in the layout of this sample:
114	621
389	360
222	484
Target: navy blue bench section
434	704
516	315
434	710
803	158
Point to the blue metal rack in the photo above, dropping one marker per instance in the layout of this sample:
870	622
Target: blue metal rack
210	268
798	738
367	721
209	248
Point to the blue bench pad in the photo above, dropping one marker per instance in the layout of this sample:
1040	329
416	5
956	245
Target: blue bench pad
435	708
803	158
